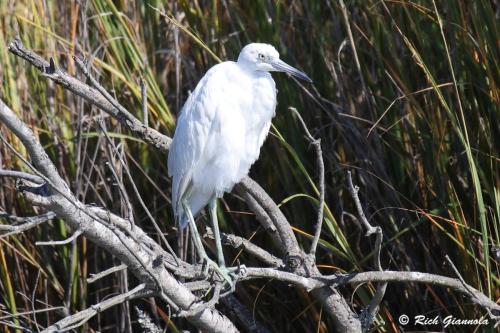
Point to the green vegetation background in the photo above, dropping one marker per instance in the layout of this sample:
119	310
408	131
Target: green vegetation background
406	95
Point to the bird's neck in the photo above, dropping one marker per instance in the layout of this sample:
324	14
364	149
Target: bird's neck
250	70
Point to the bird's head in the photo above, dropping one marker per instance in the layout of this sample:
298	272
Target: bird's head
264	57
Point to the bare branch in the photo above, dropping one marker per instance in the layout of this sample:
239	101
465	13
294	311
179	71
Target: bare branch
256	251
354	194
261	215
336	306
195	309
321	168
26	223
316	282
401	276
308	283
38	155
80	318
94	277
368	314
144	102
122	113
88	93
62	242
457	273
292	250
23	175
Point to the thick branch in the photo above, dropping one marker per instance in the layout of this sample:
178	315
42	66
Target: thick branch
398	276
293	251
90	94
238	242
38	155
261	215
312	283
125	246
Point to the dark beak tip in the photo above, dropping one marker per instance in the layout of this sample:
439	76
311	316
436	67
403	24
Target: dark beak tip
304	77
307	79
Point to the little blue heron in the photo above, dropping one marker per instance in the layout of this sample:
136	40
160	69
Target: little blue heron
220	130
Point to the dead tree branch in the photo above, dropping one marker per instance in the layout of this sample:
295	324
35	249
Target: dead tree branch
125	246
294	255
368	315
240	242
91	95
94	277
317	282
257	198
80	318
61	242
321	168
22	175
26	223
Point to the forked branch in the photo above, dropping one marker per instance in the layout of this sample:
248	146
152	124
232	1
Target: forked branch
369	313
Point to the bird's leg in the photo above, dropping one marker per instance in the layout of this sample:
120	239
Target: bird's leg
207	262
194	231
220	254
215	224
228	272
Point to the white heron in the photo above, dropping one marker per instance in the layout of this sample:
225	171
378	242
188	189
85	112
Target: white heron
219	133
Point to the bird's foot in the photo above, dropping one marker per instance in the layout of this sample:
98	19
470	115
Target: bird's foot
221	271
229	275
235	273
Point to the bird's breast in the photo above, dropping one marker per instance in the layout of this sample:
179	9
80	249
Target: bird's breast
239	129
264	99
258	108
258	116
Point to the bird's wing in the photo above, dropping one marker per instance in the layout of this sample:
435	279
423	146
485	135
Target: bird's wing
193	128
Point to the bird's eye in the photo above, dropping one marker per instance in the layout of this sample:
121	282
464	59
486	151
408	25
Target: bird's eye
261	56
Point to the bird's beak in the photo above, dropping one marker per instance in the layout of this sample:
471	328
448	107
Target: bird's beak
282	66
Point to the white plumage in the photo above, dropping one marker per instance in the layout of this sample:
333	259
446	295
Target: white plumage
221	128
220	131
